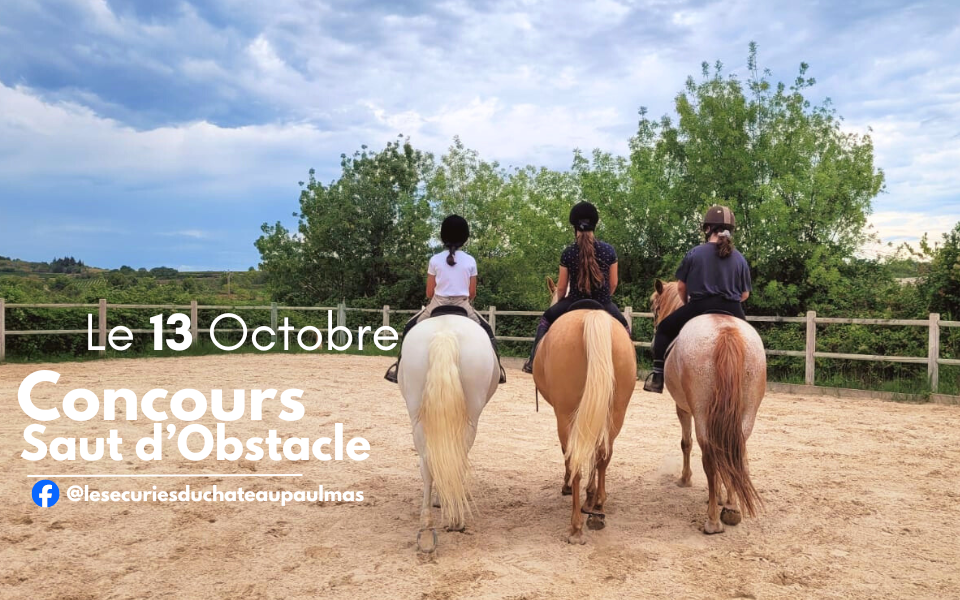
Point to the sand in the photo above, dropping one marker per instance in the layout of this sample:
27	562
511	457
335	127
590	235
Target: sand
861	501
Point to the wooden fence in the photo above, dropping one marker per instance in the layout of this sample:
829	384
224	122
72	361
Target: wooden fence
810	354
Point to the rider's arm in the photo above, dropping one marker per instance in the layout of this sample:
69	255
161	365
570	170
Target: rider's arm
473	287
562	280
613	278
744	296
682	291
431	285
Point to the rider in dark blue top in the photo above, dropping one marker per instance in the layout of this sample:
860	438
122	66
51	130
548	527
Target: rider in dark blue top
713	278
589	266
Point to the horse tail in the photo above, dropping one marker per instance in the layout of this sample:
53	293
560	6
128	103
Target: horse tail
590	430
727	445
443	416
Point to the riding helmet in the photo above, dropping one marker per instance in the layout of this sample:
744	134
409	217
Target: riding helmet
584	217
721	216
454	231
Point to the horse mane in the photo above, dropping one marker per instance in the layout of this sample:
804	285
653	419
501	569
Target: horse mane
667	301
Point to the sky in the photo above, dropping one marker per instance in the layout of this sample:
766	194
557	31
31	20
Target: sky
164	133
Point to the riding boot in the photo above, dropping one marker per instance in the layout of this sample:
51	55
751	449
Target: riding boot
391	374
654	382
541	331
496	351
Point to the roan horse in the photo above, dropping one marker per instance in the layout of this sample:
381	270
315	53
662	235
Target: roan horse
586	368
717	375
448	373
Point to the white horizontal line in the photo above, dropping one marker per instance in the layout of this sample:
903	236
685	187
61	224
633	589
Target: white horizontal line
170	475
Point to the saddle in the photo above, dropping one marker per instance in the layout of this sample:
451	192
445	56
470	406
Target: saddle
448	309
585	304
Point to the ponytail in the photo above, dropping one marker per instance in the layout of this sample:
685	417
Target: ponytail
589	274
724	239
453	249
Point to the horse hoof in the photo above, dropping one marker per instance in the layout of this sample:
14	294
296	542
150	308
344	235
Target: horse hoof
730	516
596	523
456	528
428	546
566	491
684	483
712	528
576	538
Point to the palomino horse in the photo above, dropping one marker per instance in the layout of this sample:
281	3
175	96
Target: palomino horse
586	369
448	373
717	374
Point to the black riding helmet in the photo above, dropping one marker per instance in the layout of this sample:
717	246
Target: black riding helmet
584	217
454	231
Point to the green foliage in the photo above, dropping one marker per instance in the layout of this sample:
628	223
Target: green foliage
942	275
122	286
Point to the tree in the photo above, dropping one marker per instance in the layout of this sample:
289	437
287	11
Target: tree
801	187
357	236
941	279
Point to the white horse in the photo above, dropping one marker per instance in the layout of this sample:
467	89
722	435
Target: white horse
448	373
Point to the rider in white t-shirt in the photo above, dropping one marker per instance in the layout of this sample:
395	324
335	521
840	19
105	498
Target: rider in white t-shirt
451	280
456	280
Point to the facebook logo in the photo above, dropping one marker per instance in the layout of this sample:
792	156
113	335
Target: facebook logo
45	493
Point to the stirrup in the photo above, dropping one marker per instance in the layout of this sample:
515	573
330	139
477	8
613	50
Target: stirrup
653	383
391	374
503	374
527	367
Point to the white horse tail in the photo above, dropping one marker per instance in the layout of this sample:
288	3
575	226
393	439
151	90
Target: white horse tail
443	415
590	430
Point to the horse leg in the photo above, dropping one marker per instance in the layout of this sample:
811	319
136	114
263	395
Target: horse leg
563	430
730	511
712	524
575	535
686	443
426	544
591	492
598	520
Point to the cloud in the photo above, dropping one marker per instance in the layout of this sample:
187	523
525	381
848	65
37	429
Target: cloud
188	233
211	102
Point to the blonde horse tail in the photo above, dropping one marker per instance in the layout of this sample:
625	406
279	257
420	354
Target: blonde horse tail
443	415
727	446
590	430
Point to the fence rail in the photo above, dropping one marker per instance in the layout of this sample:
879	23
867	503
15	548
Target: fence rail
809	354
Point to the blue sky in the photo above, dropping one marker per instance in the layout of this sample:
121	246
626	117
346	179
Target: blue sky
164	133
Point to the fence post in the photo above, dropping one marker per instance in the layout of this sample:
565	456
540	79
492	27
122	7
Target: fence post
933	353
273	321
194	325
628	315
811	347
341	321
386	315
493	321
3	332
103	326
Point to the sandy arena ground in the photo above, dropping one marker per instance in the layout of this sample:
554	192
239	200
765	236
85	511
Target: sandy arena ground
862	501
